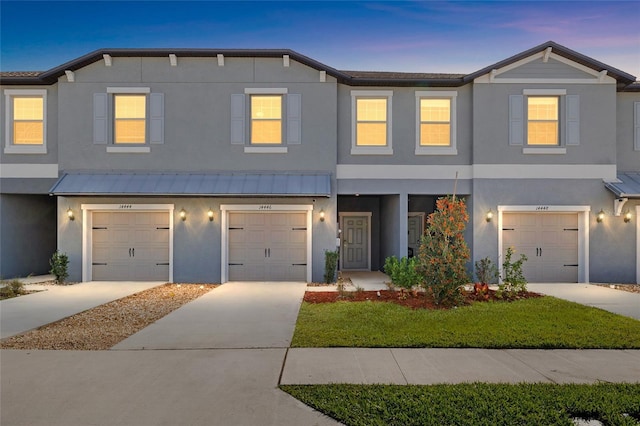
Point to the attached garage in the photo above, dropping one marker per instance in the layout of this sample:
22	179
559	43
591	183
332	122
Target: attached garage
266	243
554	238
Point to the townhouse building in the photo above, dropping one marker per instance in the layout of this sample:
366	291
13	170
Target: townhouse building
216	165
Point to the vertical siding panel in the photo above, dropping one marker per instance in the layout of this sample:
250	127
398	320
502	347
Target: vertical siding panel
156	118
100	118
516	120
237	119
573	120
294	119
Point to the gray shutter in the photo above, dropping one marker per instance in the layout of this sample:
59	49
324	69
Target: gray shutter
516	120
636	126
573	120
237	119
156	118
100	118
294	119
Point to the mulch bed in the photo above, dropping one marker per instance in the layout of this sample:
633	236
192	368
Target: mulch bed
407	299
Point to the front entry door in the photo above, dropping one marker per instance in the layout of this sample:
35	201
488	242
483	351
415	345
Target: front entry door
355	243
415	230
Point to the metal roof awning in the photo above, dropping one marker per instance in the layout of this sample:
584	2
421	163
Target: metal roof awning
628	185
284	184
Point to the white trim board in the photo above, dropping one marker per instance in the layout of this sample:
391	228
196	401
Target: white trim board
477	171
225	209
8	171
87	235
583	231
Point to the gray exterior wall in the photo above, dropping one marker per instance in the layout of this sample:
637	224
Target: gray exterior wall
27	234
628	158
197	105
196	241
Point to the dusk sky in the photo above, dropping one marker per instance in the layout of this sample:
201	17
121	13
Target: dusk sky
414	36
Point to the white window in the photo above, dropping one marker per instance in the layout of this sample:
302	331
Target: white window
371	122
128	119
436	123
270	119
26	121
544	121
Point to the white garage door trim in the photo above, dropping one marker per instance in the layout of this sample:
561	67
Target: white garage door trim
583	231
87	235
244	208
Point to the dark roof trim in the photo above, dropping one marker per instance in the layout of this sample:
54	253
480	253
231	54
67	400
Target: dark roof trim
255	184
352	78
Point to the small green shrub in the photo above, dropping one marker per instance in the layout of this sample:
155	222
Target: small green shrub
330	265
11	289
486	271
404	272
59	266
513	281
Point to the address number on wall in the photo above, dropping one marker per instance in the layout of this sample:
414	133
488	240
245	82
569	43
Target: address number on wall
265	207
542	208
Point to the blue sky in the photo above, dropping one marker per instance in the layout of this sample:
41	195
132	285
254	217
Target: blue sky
419	36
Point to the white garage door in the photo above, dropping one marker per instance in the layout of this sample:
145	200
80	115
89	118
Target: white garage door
130	246
550	242
267	246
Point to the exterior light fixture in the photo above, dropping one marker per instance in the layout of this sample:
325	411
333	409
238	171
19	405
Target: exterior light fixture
70	214
210	215
183	214
627	217
489	216
321	215
600	216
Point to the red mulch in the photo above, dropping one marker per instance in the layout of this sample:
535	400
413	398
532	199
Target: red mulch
402	298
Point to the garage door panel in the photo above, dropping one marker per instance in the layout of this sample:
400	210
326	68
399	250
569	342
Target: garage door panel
131	246
264	246
549	240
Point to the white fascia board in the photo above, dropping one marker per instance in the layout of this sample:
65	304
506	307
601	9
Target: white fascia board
40	171
477	171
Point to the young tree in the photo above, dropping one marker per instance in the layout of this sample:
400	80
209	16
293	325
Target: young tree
444	253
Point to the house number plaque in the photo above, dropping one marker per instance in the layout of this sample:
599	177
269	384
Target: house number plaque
542	208
265	207
125	206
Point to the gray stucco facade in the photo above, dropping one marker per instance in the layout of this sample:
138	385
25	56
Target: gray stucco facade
199	120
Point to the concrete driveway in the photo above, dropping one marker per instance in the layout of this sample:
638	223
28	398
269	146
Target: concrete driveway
616	301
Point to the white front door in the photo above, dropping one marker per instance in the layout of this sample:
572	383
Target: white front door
356	242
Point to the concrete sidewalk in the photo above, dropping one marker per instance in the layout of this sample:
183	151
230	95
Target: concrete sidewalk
431	366
617	301
54	303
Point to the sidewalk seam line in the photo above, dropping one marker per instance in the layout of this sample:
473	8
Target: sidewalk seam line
284	361
399	368
506	351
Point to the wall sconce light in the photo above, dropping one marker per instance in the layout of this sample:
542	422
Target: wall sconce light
627	217
183	214
321	215
70	214
600	216
489	216
210	215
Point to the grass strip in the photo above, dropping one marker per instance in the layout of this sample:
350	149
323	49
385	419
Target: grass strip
473	403
540	323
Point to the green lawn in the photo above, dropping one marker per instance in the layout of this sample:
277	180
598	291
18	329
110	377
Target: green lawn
473	404
544	322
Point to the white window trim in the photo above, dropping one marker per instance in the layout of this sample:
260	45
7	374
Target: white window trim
266	149
117	149
583	231
371	150
125	90
225	209
87	229
275	148
438	150
544	149
9	147
266	91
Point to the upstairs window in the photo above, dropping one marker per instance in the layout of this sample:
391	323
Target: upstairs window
266	119
26	121
371	132
436	123
542	120
130	112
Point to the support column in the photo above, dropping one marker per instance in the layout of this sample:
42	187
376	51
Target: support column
403	228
